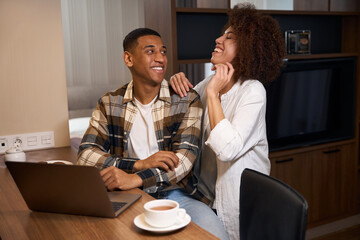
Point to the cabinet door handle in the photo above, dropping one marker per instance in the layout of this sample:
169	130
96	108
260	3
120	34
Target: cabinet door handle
285	160
331	151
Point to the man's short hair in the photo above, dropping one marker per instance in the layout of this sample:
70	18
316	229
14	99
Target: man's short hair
130	41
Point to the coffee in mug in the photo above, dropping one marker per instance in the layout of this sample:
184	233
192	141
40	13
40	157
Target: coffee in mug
163	213
162	208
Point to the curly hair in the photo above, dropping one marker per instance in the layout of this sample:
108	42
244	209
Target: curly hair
260	44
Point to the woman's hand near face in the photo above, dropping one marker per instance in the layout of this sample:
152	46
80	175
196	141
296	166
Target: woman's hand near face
180	84
219	82
222	77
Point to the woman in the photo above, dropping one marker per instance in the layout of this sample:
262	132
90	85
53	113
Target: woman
248	54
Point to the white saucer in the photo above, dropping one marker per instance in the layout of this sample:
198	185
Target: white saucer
139	221
59	161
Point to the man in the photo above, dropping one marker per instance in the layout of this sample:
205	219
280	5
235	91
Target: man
143	134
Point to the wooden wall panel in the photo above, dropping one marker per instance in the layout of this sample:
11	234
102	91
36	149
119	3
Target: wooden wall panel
345	5
350	34
212	4
158	17
202	3
311	5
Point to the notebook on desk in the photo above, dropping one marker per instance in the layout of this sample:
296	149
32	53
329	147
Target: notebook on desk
70	189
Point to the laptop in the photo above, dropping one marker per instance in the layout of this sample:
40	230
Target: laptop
69	189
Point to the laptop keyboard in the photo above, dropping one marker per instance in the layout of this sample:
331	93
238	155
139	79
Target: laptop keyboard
117	205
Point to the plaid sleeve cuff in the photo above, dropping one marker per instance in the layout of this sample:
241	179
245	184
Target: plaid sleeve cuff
148	176
126	164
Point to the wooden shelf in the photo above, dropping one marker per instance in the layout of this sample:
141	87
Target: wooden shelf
191	61
282	12
317	56
310	148
201	10
287	57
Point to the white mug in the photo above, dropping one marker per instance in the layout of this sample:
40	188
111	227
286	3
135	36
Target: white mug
163	213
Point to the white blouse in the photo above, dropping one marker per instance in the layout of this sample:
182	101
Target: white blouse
237	142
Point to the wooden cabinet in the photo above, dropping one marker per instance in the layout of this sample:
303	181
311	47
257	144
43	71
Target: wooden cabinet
325	177
296	171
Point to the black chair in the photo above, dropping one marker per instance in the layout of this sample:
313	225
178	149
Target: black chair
270	209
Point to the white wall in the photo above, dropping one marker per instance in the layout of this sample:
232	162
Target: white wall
33	94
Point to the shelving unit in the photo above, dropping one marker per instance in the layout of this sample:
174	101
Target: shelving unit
326	174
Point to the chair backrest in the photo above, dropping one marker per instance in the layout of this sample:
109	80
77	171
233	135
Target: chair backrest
270	209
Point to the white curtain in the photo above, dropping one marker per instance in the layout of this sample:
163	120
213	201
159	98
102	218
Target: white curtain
93	32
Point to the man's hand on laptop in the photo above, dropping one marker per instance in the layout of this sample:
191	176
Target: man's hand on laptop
115	178
164	160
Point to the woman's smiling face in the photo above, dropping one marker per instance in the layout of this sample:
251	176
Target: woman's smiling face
225	49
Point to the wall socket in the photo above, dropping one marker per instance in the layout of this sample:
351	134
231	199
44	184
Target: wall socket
30	141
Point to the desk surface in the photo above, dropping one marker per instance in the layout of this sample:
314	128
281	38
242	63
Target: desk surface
18	222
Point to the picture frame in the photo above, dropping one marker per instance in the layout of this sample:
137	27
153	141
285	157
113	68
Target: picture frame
298	41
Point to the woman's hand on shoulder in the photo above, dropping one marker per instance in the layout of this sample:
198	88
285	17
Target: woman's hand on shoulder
180	84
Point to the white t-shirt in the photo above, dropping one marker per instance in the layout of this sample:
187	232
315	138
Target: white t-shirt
142	139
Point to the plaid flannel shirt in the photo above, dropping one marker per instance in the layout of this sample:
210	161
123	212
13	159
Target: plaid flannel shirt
177	123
